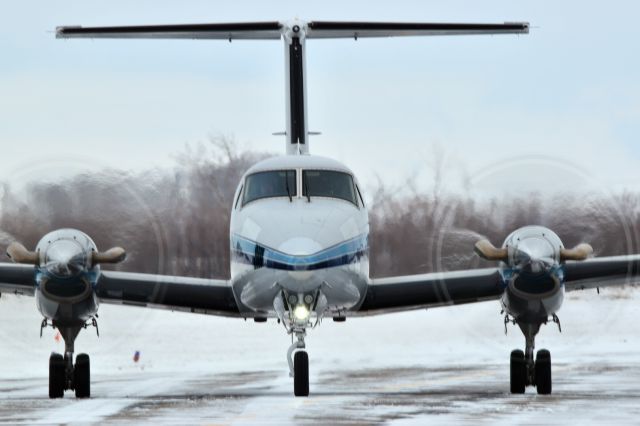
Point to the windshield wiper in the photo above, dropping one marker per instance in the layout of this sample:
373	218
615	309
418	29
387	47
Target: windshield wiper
306	188
286	184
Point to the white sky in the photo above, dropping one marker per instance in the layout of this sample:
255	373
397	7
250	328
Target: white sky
557	108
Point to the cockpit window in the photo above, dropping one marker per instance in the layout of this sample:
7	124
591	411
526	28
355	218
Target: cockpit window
360	195
280	183
327	183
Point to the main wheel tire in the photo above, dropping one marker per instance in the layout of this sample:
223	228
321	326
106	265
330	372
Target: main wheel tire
301	374
82	376
518	371
543	372
56	376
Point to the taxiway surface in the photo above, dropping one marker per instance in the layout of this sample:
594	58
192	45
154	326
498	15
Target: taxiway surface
440	366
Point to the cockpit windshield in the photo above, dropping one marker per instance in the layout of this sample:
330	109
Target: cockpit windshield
279	183
328	183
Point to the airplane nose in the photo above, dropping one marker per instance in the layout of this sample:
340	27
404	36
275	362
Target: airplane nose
65	258
300	246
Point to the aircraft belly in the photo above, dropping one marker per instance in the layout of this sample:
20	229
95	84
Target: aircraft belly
532	308
67	313
343	286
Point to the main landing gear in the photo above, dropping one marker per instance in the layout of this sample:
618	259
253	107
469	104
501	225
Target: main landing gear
525	371
299	364
63	373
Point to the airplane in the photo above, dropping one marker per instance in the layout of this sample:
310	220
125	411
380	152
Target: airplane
299	241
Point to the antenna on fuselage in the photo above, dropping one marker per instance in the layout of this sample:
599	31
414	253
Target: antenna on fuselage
294	35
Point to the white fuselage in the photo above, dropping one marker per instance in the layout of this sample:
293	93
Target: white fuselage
316	245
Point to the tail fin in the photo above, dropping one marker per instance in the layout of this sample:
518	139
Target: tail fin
294	34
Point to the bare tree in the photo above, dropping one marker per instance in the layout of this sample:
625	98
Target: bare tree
176	221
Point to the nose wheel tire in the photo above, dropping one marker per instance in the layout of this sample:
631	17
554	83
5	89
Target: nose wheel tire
82	376
543	372
78	376
301	374
518	371
57	376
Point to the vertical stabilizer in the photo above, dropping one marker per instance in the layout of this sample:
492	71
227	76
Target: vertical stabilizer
295	88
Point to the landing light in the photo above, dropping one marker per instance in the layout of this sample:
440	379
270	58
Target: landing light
301	312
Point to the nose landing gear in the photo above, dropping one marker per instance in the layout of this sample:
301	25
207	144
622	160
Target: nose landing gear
294	312
299	364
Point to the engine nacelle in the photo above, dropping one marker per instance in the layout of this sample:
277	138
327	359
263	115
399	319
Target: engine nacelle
67	268
531	261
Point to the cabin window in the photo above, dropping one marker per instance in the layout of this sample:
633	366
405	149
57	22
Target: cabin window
279	183
328	183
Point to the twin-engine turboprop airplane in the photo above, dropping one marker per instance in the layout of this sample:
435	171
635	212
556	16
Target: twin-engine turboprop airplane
300	241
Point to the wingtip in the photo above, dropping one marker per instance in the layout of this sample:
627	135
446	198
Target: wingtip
62	31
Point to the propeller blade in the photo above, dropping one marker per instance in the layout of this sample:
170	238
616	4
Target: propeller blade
580	252
488	251
19	254
113	255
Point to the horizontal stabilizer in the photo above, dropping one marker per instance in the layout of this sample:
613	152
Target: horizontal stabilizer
329	29
223	31
273	30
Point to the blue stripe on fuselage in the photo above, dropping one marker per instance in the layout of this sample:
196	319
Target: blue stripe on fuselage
344	253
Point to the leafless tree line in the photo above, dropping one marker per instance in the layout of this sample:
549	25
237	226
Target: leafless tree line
177	221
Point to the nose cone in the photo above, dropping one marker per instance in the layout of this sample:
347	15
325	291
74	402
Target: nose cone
535	267
65	258
534	253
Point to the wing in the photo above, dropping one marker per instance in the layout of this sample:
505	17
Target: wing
199	295
330	29
430	290
452	288
17	279
602	272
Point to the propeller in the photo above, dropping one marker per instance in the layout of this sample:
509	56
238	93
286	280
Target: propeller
19	254
488	251
580	252
113	255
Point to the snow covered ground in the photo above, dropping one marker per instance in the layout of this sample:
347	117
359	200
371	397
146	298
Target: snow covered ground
439	366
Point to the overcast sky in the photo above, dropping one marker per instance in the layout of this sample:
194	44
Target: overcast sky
558	107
